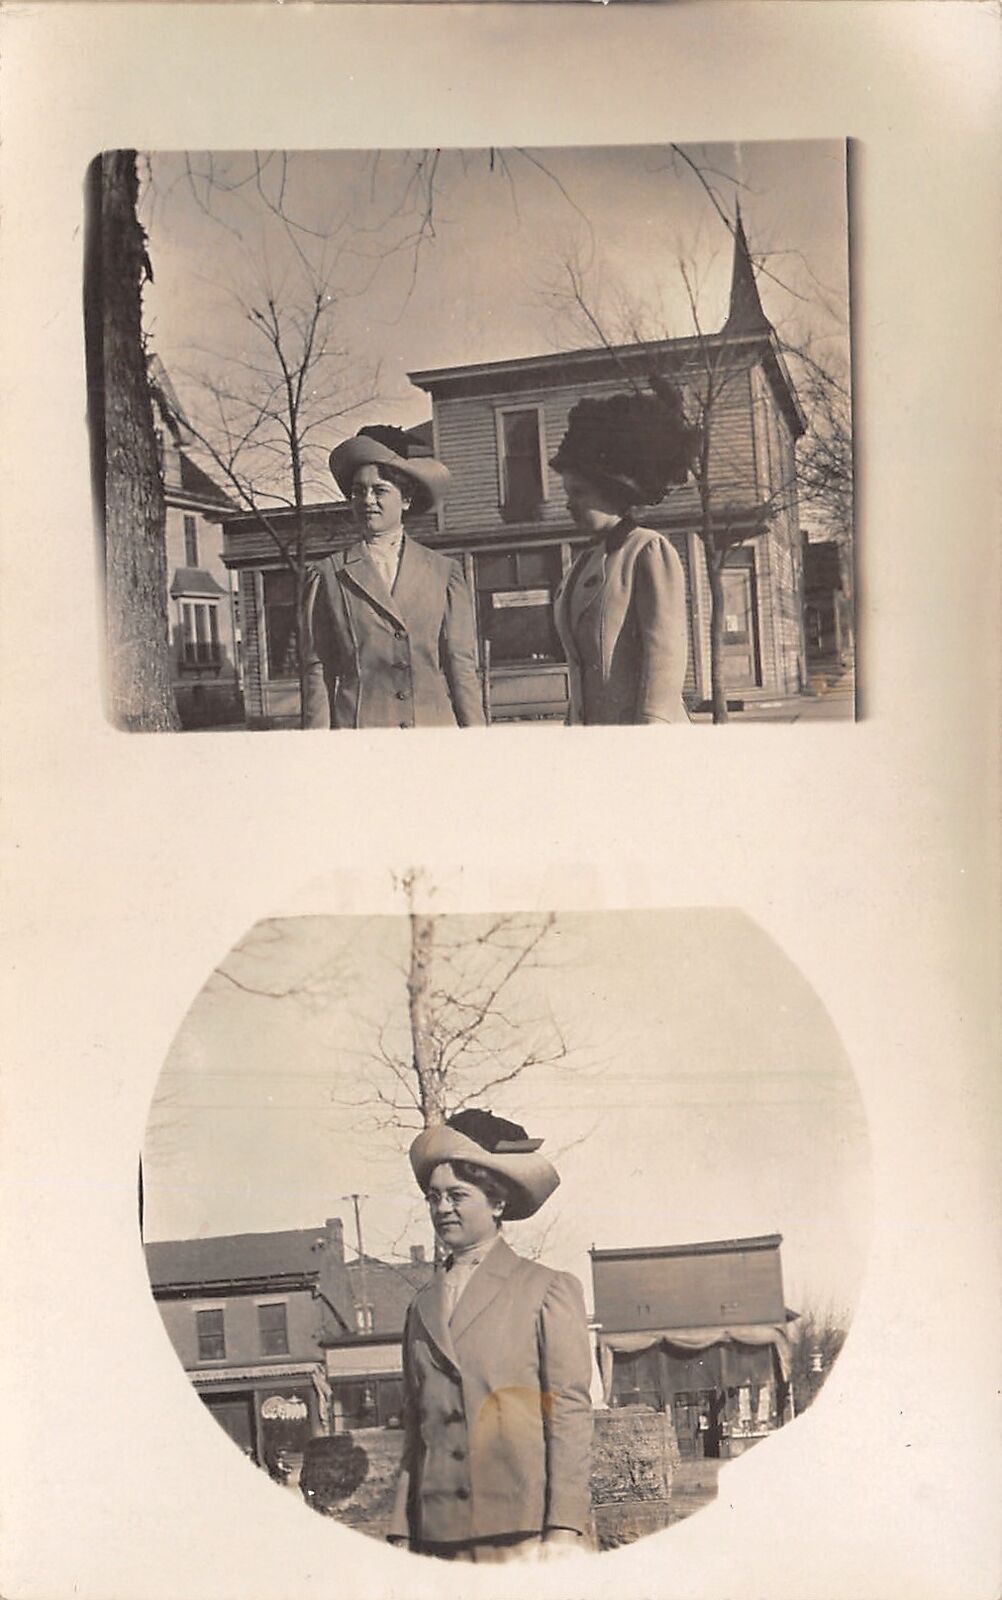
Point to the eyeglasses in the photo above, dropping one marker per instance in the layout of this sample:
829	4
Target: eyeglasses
449	1197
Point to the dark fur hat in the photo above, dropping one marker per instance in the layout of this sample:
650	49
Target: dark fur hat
639	442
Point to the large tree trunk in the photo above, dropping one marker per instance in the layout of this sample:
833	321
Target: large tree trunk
128	483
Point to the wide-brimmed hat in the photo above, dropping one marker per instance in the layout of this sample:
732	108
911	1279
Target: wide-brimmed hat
493	1143
639	442
392	447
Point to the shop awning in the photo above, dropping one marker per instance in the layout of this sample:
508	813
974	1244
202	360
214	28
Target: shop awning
270	1373
686	1340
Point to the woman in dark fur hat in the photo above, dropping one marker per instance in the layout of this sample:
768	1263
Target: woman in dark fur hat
497	1363
621	610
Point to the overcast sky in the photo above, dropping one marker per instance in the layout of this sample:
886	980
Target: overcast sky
479	289
705	1095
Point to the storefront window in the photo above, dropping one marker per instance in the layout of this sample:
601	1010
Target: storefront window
369	1402
280	624
515	605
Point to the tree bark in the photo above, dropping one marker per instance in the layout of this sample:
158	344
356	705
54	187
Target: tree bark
430	1088
718	689
128	483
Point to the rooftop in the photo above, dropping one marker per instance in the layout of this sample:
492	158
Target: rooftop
712	1247
233	1257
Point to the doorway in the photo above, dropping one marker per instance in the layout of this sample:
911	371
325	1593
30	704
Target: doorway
235	1415
742	667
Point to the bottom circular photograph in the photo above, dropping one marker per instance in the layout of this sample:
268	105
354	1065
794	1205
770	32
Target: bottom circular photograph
499	1237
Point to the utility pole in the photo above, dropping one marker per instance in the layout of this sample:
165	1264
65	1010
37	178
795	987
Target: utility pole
363	1278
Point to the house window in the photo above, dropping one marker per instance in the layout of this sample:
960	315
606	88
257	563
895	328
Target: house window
515	604
211	1336
200	620
273	1330
364	1319
280	624
520	459
190	542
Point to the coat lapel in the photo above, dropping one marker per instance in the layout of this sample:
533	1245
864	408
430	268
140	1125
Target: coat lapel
360	571
409	589
430	1305
484	1286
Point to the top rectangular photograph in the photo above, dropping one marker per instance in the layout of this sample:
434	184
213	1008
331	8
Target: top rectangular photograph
448	438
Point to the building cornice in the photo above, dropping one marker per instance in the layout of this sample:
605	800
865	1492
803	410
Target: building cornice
762	1241
266	1283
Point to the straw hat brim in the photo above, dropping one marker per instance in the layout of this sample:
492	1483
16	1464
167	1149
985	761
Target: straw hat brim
529	1176
430	478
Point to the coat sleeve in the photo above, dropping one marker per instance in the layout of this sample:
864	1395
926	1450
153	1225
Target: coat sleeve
565	1368
659	596
459	652
400	1530
316	648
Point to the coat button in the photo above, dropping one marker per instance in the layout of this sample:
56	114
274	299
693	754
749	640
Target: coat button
401	694
453	1416
459	1455
462	1494
399	634
403	724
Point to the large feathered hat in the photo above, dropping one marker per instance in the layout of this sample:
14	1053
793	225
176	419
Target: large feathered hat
406	452
640	442
492	1142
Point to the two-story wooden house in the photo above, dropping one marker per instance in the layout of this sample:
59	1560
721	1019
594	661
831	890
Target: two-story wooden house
496	426
699	1330
201	600
282	1339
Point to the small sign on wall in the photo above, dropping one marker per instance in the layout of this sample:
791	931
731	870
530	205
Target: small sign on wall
505	599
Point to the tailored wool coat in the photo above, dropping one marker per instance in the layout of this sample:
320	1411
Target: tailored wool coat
622	618
400	658
497	1413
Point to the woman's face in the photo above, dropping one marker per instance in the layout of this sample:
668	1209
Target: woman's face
590	508
377	504
461	1214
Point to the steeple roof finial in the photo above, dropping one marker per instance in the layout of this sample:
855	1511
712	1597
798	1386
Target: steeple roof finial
745	314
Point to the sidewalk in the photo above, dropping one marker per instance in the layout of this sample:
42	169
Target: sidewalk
837	704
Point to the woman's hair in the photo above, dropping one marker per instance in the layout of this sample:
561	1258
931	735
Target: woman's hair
489	1183
400	481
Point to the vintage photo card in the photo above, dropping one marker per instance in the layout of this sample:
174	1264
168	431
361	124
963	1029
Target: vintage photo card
859	856
427	438
648	1283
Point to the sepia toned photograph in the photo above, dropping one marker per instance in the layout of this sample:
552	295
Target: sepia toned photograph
391	439
496	1237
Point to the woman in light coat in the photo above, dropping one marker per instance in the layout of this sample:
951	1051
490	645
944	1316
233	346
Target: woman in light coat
391	641
622	612
497	1363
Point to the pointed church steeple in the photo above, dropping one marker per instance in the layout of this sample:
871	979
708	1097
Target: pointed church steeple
745	314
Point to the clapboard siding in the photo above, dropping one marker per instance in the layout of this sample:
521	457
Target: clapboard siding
466	433
252	634
781	546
